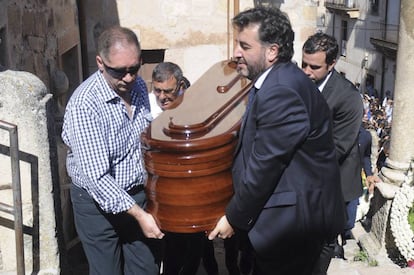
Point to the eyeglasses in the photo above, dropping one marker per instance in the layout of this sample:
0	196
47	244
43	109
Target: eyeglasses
313	67
120	73
168	91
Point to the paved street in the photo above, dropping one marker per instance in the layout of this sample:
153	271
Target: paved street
338	266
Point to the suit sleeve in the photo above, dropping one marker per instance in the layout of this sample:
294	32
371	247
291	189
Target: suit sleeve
347	120
366	161
277	122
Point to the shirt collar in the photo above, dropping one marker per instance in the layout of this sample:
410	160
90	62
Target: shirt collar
259	82
323	84
108	94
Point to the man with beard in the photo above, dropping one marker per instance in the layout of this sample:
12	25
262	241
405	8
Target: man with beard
286	194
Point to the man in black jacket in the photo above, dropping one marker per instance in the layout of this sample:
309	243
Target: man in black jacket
319	57
286	193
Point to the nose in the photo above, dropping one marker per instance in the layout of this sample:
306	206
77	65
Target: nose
306	70
162	95
128	77
237	52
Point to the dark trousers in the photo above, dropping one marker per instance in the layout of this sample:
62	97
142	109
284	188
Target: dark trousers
298	257
329	247
183	252
209	258
351	210
327	252
231	256
113	244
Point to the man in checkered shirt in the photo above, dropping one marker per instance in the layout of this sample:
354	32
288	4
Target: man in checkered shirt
102	126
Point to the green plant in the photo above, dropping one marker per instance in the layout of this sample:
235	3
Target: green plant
362	256
411	217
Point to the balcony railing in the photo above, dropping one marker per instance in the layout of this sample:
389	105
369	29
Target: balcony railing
350	4
345	7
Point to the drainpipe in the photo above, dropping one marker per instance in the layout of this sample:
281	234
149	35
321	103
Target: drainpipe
236	9
383	56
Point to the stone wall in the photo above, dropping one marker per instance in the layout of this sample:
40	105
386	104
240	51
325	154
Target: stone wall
25	102
55	41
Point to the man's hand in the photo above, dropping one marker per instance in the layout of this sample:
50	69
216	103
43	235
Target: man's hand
222	230
371	181
147	222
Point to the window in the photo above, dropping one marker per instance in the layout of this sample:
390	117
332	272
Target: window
344	36
374	6
3	48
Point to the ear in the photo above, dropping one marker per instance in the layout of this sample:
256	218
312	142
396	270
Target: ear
181	84
99	62
184	83
331	66
272	53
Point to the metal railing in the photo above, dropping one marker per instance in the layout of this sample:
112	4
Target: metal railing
16	209
341	3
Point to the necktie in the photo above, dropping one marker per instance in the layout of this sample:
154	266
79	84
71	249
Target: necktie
252	94
250	98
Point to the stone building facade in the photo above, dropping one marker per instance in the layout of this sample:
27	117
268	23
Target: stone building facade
55	41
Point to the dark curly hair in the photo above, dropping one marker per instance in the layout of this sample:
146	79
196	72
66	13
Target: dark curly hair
322	42
274	28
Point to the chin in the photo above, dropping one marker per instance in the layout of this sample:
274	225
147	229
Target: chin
166	107
243	72
123	89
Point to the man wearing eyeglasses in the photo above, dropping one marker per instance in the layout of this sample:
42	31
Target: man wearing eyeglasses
183	251
102	126
168	85
319	55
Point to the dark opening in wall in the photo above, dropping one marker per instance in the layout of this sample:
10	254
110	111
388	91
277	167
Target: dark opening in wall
3	49
70	63
150	59
153	56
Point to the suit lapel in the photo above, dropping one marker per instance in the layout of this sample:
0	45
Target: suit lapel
252	94
330	84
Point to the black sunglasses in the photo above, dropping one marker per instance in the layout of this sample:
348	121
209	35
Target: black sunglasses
120	73
313	67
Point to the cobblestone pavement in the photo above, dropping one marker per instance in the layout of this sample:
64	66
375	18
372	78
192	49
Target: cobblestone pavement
338	266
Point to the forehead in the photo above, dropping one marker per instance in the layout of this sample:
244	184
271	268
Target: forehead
124	54
169	83
317	58
249	34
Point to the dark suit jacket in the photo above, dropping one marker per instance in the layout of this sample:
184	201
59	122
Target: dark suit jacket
347	109
285	170
365	143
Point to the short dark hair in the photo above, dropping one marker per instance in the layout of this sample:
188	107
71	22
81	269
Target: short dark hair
164	70
274	28
322	42
113	35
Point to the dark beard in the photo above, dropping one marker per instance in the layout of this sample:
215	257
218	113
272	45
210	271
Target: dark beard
255	71
257	68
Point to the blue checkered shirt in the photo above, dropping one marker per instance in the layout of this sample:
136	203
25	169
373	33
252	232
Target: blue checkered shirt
104	155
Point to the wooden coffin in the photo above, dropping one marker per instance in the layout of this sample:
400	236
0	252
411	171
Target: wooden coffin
189	152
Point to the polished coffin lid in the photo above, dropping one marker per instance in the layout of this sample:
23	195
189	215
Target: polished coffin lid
189	152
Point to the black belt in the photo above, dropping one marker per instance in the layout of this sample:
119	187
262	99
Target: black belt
136	189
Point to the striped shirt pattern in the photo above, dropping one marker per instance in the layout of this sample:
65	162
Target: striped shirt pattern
104	155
